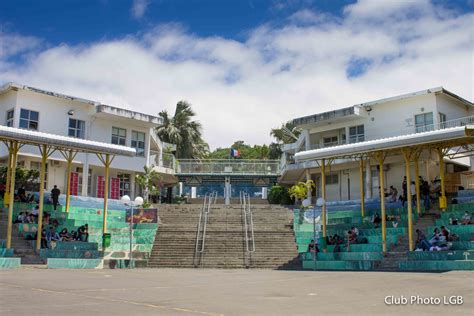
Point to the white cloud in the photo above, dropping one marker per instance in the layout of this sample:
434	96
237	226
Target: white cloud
242	89
139	8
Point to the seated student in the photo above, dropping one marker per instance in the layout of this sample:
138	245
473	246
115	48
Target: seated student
51	236
313	247
453	221
31	219
74	235
437	238
83	233
466	219
421	241
395	222
35	211
19	218
44	241
355	231
377	220
351	237
65	235
445	232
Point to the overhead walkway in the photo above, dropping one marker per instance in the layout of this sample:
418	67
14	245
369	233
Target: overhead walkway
227	177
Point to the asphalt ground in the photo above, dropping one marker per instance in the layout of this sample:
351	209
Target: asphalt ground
32	291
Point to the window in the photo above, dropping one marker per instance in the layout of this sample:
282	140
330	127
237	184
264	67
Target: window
442	120
356	134
332	178
424	122
138	142
77	128
29	119
330	141
119	136
124	184
10	115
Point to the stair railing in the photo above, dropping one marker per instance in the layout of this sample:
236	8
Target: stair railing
209	199
248	226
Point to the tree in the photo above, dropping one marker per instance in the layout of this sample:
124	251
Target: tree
145	181
183	131
287	133
300	190
28	178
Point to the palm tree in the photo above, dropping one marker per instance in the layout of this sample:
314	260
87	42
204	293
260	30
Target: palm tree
286	134
183	131
145	181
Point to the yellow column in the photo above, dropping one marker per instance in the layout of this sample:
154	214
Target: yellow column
323	195
6	196
406	156
380	158
44	157
68	192
361	184
442	198
14	151
106	192
417	185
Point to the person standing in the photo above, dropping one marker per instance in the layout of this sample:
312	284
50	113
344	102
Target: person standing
404	191
55	196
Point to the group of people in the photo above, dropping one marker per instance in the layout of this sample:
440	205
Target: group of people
50	236
439	240
465	220
425	192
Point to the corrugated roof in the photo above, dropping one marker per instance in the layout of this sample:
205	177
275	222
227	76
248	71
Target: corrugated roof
63	142
386	143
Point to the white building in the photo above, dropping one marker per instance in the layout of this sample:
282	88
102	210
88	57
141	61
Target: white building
401	115
54	113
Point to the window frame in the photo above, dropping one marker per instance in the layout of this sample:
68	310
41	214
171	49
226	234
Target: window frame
420	128
76	129
332	179
358	136
139	151
119	137
10	120
29	120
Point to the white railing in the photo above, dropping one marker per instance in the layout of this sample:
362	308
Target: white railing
248	226
223	166
209	199
412	129
164	160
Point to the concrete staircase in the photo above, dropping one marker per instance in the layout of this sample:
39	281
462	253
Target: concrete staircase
398	253
224	246
21	247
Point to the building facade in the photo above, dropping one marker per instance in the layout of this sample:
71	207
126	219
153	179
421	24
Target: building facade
49	112
407	114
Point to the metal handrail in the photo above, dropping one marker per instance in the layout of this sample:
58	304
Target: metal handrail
247	212
209	199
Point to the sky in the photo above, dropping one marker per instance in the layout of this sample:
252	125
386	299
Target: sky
246	66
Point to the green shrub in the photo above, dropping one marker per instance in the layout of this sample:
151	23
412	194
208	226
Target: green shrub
279	195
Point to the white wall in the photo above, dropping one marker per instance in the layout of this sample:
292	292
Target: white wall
452	108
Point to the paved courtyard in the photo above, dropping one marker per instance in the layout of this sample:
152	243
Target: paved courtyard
226	292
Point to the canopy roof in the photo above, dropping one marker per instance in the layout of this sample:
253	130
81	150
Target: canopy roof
453	135
62	142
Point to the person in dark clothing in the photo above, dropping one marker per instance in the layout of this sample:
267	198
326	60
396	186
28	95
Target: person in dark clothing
55	196
312	247
377	220
404	191
83	233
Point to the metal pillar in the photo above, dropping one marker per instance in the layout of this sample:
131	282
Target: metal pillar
323	195
44	156
227	191
6	196
442	198
381	158
407	156
107	161
308	177
69	158
417	185
361	184
13	148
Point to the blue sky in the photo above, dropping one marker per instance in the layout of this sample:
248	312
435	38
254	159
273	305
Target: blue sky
237	61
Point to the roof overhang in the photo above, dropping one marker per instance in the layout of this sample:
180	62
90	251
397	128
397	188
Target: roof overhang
118	113
456	135
62	142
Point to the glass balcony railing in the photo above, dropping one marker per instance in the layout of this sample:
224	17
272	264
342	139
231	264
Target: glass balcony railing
222	166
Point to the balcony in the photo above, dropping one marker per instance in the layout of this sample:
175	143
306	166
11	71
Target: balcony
378	134
228	167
